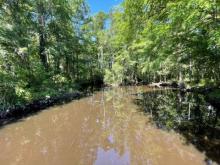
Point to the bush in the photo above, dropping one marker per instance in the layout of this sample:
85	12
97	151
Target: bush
7	92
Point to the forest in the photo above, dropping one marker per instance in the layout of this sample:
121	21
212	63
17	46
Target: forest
50	47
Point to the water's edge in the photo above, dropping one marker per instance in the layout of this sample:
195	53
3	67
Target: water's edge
13	114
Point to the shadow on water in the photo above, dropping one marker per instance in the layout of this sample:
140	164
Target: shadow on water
188	114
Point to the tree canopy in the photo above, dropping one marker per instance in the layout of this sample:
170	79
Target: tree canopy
50	46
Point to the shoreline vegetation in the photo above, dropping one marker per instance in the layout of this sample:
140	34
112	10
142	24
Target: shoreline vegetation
17	112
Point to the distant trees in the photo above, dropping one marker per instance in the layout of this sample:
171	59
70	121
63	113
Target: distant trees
166	40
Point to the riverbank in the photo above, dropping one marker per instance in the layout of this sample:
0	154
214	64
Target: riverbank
16	112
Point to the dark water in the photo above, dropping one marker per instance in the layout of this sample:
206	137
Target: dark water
120	126
188	114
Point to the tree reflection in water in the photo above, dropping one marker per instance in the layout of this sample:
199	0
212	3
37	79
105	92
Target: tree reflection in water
106	128
187	113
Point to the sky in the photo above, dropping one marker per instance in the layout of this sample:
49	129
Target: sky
102	5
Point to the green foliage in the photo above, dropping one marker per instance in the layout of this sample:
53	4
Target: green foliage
166	40
44	49
7	90
49	47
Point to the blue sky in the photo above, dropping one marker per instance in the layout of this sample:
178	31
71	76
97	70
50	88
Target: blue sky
102	5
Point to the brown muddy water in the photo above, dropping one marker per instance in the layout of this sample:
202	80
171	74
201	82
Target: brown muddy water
112	127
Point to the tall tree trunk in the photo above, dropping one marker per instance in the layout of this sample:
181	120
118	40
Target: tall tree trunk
42	35
77	66
190	69
57	65
67	67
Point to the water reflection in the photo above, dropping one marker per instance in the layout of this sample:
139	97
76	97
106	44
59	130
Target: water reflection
187	113
111	157
106	128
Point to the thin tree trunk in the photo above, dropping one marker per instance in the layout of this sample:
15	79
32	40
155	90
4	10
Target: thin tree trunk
42	36
77	66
